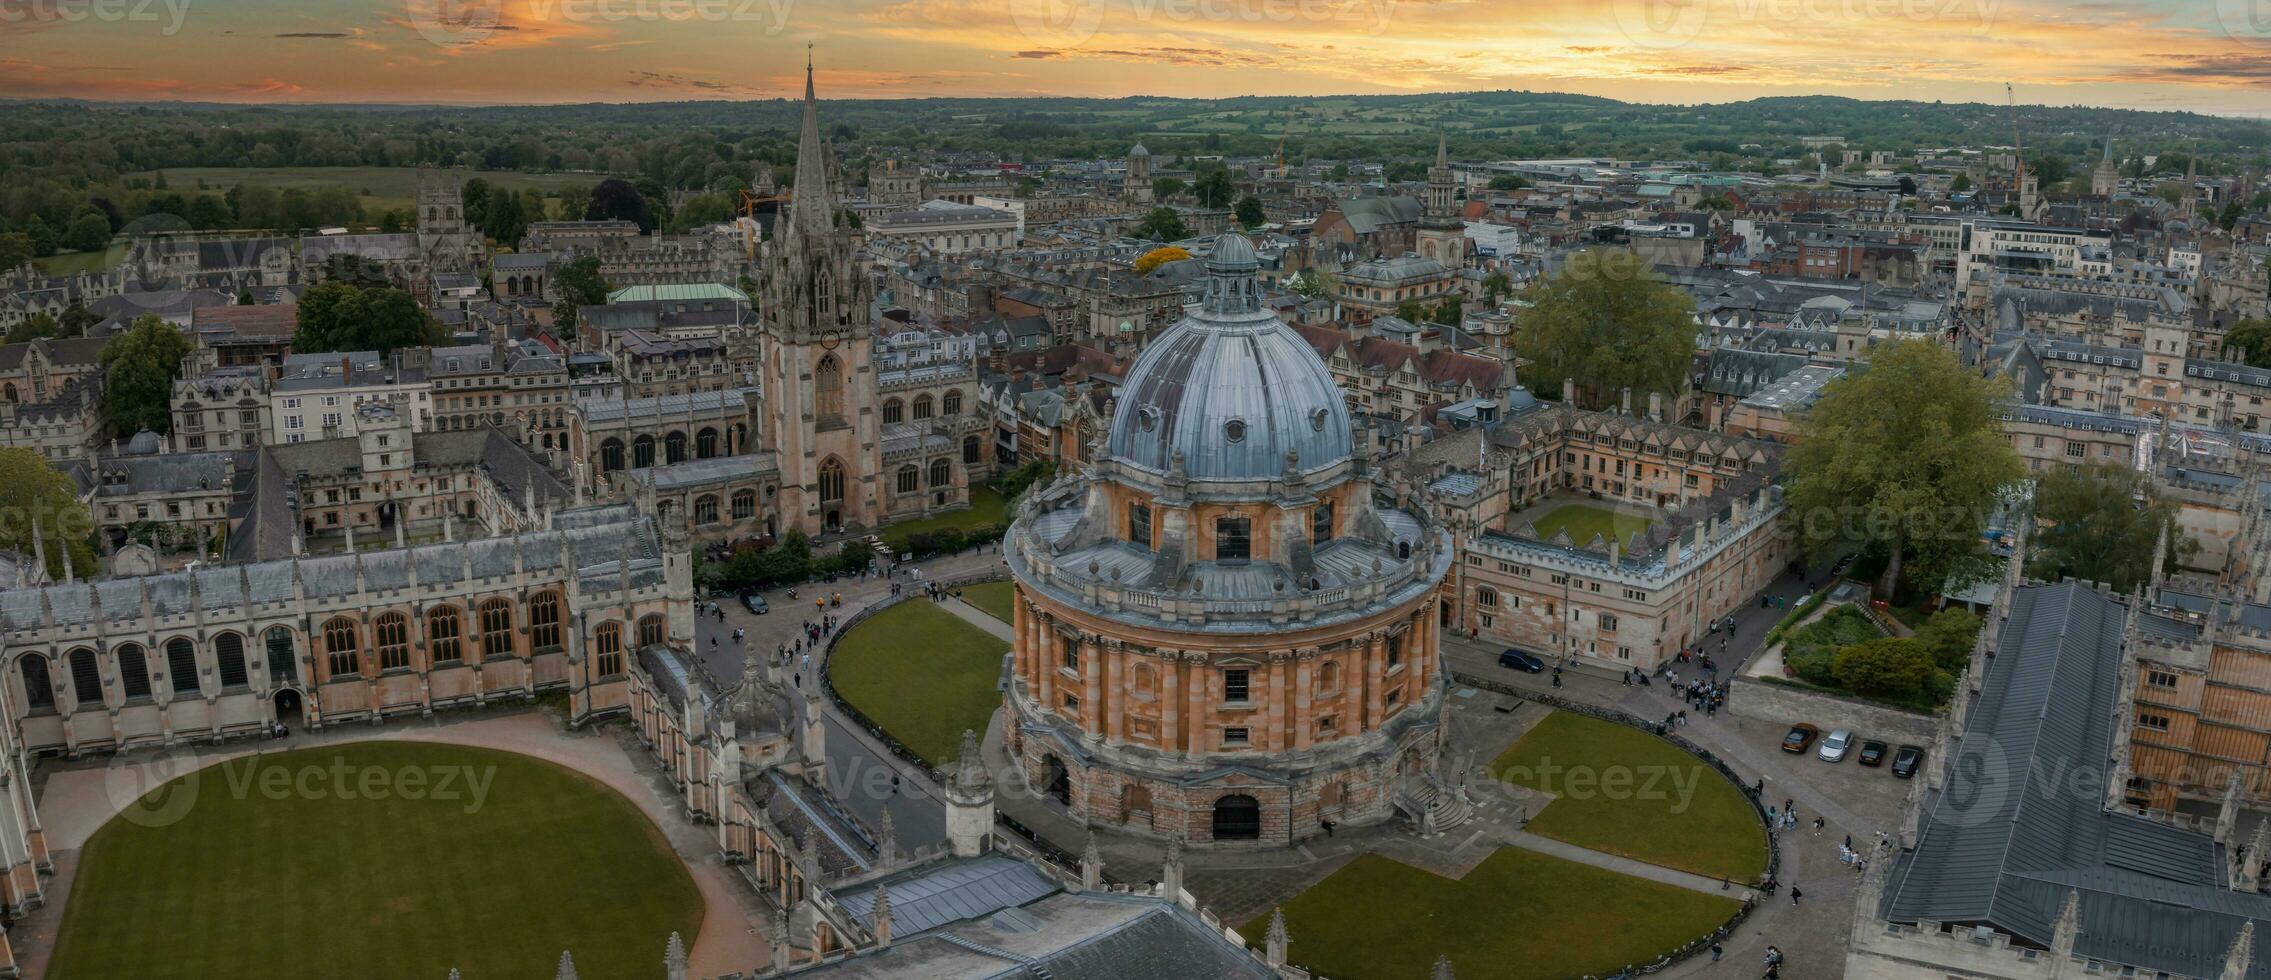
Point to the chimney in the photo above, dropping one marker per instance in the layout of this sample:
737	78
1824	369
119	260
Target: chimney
1569	392
1624	401
346	365
1656	405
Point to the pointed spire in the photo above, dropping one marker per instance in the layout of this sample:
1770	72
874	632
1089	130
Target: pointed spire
453	974
2069	925
1442	969
810	217
567	970
882	916
886	839
1442	150
1274	944
2242	954
2244	876
674	958
777	938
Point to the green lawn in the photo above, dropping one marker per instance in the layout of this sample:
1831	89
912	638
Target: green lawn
1585	520
986	508
1519	915
275	872
1624	791
922	673
998	599
73	263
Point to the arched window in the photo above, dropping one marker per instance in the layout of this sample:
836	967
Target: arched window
828	388
951	403
744	504
971	450
642	451
181	665
8	391
941	473
922	407
133	671
910	479
611	455
894	410
497	628
340	647
832	480
1321	525
86	678
544	621
393	630
706	443
444	634
651	630
228	652
674	447
607	647
705	509
39	689
283	664
737	439
1329	677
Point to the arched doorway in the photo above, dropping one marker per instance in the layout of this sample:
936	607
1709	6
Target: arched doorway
287	703
1237	817
1060	780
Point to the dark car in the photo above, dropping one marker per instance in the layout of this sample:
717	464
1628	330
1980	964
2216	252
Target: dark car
756	603
1872	753
1907	761
1521	661
1801	735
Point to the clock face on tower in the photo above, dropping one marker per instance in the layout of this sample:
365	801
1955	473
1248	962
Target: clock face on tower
831	337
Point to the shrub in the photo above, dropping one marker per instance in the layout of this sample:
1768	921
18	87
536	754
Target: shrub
1887	666
1949	635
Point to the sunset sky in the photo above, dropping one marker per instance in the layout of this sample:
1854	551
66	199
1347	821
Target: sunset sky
2204	55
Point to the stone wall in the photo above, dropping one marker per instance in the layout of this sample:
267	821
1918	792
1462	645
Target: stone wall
1753	698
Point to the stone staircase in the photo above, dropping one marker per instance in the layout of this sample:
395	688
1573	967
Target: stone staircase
1432	806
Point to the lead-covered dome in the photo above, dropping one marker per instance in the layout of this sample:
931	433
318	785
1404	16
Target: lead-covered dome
1231	387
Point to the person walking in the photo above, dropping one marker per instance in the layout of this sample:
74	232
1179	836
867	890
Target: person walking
1795	894
1716	950
1818	822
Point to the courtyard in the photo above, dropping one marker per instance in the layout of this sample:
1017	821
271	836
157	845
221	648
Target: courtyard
1622	791
1583	519
921	673
377	858
1377	918
996	599
987	509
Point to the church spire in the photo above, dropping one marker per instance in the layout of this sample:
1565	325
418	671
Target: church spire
810	207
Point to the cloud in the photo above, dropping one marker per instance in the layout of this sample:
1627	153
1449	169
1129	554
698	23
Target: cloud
1038	55
329	35
681	83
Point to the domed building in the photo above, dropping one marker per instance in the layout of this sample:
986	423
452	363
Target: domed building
1221	633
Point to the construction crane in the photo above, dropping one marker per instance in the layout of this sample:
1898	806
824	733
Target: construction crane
750	202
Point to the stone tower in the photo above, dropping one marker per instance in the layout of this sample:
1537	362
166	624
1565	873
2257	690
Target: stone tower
1135	188
2106	179
445	241
1442	236
819	335
969	801
889	183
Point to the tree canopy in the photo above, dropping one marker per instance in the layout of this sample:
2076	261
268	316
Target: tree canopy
1161	224
2102	522
38	494
1158	257
1887	666
616	200
1606	322
2250	341
1249	211
580	285
336	316
139	368
1906	456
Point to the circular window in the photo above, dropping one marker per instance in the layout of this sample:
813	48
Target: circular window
1148	418
1318	417
1235	429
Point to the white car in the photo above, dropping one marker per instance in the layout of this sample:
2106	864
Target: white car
1833	747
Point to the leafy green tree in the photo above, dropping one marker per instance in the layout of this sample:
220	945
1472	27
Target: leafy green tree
88	232
75	321
1161	224
2103	522
1213	188
1906	456
1887	666
42	237
139	368
1715	203
2250	340
15	250
1250	211
207	213
617	200
40	495
1606	322
33	327
1165	188
1496	287
1959	185
1949	635
580	285
337	316
1508	182
1313	283
475	196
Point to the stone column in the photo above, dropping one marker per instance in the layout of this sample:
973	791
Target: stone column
1278	712
1115	688
1375	661
1021	646
1091	686
1045	662
1200	688
1170	707
1304	687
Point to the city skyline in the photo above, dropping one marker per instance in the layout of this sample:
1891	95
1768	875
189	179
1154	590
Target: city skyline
2142	54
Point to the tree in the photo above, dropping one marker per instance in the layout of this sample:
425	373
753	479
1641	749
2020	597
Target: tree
1312	283
1163	188
1606	322
75	320
337	316
139	368
1715	203
257	206
88	232
2250	340
42	237
475	197
1905	457
1496	286
616	200
33	327
1949	635
15	250
1158	257
580	285
2103	522
1886	666
1959	185
1907	186
1249	211
38	495
1214	188
1161	225
1508	182
207	213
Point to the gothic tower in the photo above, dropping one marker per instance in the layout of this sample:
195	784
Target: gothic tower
818	380
1442	234
1135	188
2105	181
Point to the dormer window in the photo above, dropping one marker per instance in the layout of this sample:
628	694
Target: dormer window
1234	430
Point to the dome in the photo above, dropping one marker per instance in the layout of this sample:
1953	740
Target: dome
1231	388
1138	151
144	443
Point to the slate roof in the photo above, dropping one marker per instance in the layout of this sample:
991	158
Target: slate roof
935	895
2019	827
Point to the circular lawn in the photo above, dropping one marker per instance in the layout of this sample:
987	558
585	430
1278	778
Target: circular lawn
376	859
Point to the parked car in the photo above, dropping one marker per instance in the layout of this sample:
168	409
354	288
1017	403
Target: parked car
1907	761
1521	661
1872	753
1833	747
756	603
1801	735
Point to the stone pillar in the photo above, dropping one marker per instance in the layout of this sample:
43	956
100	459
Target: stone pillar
1304	687
1021	646
1199	687
1091	686
1115	688
1278	711
1375	659
1046	661
1170	703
